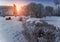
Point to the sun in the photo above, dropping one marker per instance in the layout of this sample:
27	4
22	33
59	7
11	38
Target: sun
18	8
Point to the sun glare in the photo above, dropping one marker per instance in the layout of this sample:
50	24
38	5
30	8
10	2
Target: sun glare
18	8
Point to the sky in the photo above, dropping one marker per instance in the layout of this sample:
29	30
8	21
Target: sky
20	3
9	2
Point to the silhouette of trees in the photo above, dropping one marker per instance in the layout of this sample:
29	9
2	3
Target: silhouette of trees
38	10
49	10
57	2
33	9
14	10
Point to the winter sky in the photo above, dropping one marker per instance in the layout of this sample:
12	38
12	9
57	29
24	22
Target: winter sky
6	2
24	2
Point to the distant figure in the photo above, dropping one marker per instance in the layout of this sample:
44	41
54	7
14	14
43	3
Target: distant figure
14	10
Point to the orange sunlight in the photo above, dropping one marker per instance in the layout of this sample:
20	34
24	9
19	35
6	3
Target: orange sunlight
18	6
18	9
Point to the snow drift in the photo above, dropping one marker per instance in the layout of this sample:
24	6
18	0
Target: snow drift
36	30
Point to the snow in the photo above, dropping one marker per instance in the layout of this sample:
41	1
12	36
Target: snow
46	24
11	30
52	20
34	19
33	26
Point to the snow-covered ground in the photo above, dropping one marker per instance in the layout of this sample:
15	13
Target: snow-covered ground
34	26
52	20
11	30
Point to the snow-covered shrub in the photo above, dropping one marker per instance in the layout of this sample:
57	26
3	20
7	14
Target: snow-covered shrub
23	18
9	18
36	30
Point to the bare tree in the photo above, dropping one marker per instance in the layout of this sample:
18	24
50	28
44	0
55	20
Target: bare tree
49	10
57	2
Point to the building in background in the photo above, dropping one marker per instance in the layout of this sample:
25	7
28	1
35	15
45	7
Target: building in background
6	10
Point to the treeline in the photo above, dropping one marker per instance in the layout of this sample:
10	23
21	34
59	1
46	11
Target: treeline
39	10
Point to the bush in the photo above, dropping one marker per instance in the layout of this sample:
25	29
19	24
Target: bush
9	18
39	31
